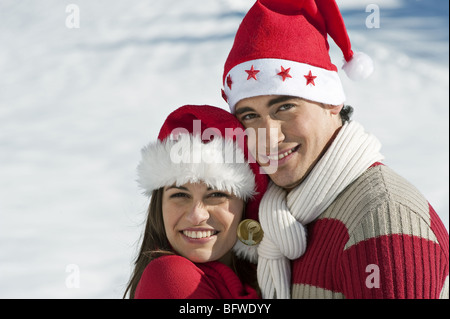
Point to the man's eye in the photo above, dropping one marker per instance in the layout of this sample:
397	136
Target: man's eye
249	116
285	107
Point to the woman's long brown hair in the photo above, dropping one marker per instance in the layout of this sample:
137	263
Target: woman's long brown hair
155	244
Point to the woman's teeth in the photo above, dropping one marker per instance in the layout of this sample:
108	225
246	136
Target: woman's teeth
199	234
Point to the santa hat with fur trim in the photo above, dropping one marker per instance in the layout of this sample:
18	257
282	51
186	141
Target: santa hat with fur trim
202	143
281	48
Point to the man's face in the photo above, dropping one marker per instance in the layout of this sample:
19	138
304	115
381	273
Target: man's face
303	129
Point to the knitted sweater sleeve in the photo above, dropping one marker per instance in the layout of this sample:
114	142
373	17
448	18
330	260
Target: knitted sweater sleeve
394	252
174	277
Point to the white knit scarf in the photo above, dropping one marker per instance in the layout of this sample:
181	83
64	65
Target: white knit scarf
284	216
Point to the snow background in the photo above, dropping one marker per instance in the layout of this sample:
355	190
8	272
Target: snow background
77	105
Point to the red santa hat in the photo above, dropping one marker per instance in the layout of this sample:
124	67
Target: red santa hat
202	143
281	48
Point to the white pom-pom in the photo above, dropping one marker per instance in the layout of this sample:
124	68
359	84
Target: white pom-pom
359	67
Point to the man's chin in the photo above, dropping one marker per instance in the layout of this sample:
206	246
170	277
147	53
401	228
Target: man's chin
285	181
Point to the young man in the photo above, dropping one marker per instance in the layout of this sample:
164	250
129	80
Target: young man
337	222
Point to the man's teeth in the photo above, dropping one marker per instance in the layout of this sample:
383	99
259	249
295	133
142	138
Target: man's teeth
199	234
280	156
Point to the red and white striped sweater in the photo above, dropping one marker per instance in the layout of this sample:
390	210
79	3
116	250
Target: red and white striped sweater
379	239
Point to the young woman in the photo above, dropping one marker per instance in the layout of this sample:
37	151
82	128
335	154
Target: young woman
199	197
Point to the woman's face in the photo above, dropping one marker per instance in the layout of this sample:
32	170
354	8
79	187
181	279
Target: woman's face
201	222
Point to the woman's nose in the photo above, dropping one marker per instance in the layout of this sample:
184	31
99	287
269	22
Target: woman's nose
197	214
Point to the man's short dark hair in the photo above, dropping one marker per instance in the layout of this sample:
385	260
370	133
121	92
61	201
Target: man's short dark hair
346	113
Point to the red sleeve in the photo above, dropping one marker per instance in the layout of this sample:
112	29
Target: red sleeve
397	265
174	277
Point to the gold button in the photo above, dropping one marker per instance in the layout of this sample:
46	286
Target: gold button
250	232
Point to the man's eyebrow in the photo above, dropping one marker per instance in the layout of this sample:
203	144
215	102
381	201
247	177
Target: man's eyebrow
243	110
281	99
271	102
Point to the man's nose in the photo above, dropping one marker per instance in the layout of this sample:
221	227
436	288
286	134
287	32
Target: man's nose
270	135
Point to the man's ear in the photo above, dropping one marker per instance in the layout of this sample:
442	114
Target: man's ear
334	109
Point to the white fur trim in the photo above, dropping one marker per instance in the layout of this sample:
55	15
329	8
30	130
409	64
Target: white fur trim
219	163
359	67
327	86
249	253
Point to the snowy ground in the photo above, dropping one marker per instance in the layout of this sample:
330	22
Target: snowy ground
77	105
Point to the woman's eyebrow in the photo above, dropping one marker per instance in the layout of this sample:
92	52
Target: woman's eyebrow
177	187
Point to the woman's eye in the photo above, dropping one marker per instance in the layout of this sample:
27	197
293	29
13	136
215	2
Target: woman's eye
179	195
219	195
216	198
